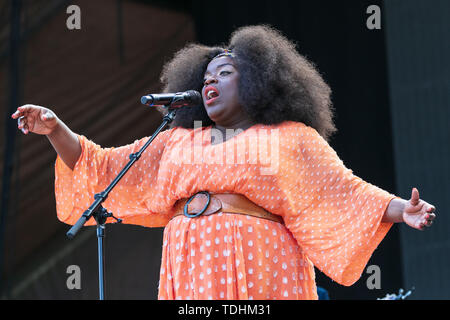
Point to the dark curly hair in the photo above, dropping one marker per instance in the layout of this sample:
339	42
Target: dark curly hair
276	83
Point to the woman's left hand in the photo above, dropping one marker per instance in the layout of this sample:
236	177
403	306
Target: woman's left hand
418	214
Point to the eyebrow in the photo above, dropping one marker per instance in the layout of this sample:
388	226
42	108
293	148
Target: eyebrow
224	64
221	65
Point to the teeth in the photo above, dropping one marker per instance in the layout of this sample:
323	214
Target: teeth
210	94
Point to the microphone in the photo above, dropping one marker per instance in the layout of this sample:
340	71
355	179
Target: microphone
174	100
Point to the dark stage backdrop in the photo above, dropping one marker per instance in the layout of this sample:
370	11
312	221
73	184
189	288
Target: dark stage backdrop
111	66
418	48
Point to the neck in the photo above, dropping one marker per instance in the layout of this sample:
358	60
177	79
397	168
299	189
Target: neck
243	124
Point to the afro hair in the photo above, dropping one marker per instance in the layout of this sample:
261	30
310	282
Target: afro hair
276	83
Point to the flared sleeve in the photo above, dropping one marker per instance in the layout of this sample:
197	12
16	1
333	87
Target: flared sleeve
95	170
334	215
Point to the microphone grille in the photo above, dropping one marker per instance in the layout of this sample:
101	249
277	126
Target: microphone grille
193	97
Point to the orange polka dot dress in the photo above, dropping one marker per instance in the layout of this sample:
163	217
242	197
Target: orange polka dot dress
332	219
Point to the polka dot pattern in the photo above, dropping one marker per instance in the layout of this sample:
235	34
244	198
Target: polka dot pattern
204	261
332	218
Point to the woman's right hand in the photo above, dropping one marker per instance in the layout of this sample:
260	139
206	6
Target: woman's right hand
36	119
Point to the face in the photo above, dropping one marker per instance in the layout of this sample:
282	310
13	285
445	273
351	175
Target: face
220	93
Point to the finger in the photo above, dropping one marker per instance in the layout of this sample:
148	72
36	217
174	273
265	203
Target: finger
431	209
21	111
424	224
16	114
430	217
25	108
28	108
21	122
25	129
415	197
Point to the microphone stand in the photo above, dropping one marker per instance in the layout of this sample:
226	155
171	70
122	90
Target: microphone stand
100	214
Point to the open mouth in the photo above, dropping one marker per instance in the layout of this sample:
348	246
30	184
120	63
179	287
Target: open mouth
211	94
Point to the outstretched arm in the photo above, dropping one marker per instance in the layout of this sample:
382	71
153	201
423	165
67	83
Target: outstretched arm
415	212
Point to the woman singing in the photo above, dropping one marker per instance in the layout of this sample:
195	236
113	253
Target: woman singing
280	199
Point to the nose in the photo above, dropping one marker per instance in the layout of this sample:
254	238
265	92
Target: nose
210	80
